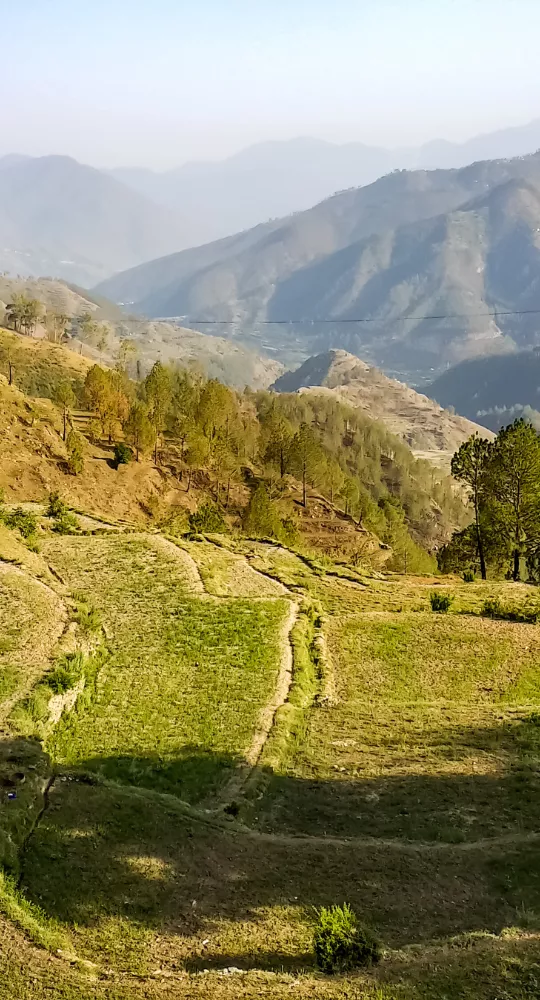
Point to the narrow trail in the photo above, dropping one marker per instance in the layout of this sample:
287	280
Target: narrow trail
236	785
281	692
166	545
404	846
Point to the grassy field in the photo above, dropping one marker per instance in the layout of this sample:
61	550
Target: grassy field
25	649
402	775
179	700
432	730
227	574
142	886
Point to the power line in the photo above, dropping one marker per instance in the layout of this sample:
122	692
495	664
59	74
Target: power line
363	319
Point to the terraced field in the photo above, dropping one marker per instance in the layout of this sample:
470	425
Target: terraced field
179	701
431	730
215	782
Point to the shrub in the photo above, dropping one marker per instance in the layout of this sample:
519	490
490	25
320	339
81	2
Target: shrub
492	608
207	518
88	619
67	672
341	943
468	576
75	448
123	455
440	602
23	520
56	506
66	523
32	543
60	680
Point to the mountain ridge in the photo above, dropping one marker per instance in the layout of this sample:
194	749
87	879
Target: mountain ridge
63	218
275	178
421	423
411	244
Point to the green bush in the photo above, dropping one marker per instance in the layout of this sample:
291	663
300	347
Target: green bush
492	608
88	619
468	576
440	602
122	454
341	943
32	543
66	523
26	522
56	506
67	672
75	448
207	519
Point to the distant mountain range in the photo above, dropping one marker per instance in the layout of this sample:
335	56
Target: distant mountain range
60	218
274	179
412	246
422	424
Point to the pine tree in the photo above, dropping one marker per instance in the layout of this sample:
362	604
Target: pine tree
139	429
514	481
469	466
306	457
64	397
261	517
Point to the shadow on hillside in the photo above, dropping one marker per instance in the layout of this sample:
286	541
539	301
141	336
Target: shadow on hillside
102	851
193	775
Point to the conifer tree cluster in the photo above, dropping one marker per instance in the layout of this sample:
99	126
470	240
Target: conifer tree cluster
503	482
318	447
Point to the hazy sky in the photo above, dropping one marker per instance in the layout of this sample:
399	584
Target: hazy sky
158	82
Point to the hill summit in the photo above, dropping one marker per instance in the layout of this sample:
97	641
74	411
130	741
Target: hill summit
419	421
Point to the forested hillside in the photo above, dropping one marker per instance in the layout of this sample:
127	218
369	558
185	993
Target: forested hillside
276	463
422	424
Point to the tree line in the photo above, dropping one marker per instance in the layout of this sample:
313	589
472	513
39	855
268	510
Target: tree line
200	427
502	479
24	314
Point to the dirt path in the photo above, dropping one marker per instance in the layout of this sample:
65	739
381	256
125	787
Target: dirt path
281	692
407	846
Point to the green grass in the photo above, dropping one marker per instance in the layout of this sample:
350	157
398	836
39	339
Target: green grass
30	625
9	678
406	726
141	885
225	574
428	734
179	699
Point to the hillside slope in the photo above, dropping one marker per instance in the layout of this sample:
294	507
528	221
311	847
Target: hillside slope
493	390
151	341
420	422
413	243
390	750
61	218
